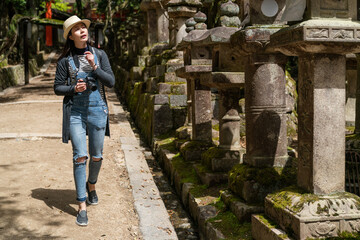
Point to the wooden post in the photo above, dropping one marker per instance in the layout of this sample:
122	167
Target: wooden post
26	51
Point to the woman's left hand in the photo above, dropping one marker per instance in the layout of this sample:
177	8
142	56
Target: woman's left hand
90	57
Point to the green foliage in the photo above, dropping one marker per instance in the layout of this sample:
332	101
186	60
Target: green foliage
118	4
57	4
18	5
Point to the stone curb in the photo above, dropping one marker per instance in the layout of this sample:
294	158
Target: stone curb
28	135
32	101
153	216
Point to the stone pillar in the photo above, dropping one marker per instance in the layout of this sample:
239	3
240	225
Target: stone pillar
228	79
157	21
265	106
201	112
321	110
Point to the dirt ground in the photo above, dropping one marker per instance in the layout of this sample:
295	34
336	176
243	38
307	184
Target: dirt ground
37	192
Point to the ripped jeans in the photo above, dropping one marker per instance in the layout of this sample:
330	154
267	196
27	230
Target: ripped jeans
91	117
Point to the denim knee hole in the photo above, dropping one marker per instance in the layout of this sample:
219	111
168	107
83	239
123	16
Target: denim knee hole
80	161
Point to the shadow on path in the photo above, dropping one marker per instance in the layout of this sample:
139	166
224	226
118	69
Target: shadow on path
9	227
57	198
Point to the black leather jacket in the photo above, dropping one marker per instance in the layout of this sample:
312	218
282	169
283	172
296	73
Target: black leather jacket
62	87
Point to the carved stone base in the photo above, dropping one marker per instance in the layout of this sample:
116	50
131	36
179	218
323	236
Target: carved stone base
305	215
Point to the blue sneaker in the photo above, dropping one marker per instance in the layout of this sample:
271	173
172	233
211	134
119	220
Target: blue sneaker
92	198
81	218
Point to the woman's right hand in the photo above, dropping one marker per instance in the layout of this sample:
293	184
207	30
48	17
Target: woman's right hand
80	86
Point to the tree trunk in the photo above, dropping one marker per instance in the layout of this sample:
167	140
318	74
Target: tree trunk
79	8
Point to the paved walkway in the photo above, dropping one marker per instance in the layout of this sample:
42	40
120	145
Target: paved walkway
37	196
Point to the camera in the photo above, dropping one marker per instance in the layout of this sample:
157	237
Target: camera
90	83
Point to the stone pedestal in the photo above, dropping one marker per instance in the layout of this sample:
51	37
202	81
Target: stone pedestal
311	216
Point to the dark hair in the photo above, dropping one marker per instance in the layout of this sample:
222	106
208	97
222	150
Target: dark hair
70	45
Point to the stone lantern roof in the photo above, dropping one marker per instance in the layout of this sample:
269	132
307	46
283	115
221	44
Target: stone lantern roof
183	8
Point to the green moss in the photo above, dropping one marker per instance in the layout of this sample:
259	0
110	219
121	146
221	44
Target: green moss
352	137
265	176
229	225
268	222
211	153
203	168
168	144
320	209
350	128
283	199
193	146
198	190
4	63
219	204
48	21
216	127
186	171
134	97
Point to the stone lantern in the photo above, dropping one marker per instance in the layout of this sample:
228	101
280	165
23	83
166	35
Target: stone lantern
157	21
266	165
320	207
197	61
228	77
179	12
266	141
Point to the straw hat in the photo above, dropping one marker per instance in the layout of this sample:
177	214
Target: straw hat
72	21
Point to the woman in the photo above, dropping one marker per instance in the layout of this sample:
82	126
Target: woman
81	74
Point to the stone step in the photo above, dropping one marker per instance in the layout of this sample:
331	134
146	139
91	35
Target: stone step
202	201
264	229
242	210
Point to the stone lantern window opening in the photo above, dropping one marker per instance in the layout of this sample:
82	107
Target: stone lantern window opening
201	56
269	8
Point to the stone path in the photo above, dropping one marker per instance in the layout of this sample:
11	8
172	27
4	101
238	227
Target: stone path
37	196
